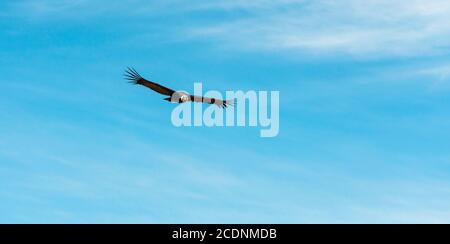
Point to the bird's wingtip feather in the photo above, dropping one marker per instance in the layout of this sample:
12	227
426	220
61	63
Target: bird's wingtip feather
132	75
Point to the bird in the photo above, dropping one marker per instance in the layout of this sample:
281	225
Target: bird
173	96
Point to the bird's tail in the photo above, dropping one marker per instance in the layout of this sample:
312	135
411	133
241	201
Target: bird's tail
132	75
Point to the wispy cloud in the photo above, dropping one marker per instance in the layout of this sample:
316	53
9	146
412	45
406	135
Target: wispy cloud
379	28
441	72
361	29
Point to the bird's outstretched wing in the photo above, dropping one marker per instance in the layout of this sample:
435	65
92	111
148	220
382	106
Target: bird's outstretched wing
219	102
133	76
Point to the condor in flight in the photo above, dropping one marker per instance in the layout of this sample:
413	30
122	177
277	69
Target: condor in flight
176	97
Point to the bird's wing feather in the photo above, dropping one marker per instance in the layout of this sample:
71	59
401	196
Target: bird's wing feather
135	78
219	102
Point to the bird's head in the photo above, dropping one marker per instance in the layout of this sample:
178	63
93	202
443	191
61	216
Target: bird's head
178	97
184	98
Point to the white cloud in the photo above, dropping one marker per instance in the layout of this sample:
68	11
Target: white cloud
358	28
375	28
441	72
351	27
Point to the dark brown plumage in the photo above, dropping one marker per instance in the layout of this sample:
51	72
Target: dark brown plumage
177	97
135	78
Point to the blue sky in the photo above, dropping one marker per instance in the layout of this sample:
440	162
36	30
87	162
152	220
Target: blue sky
364	99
